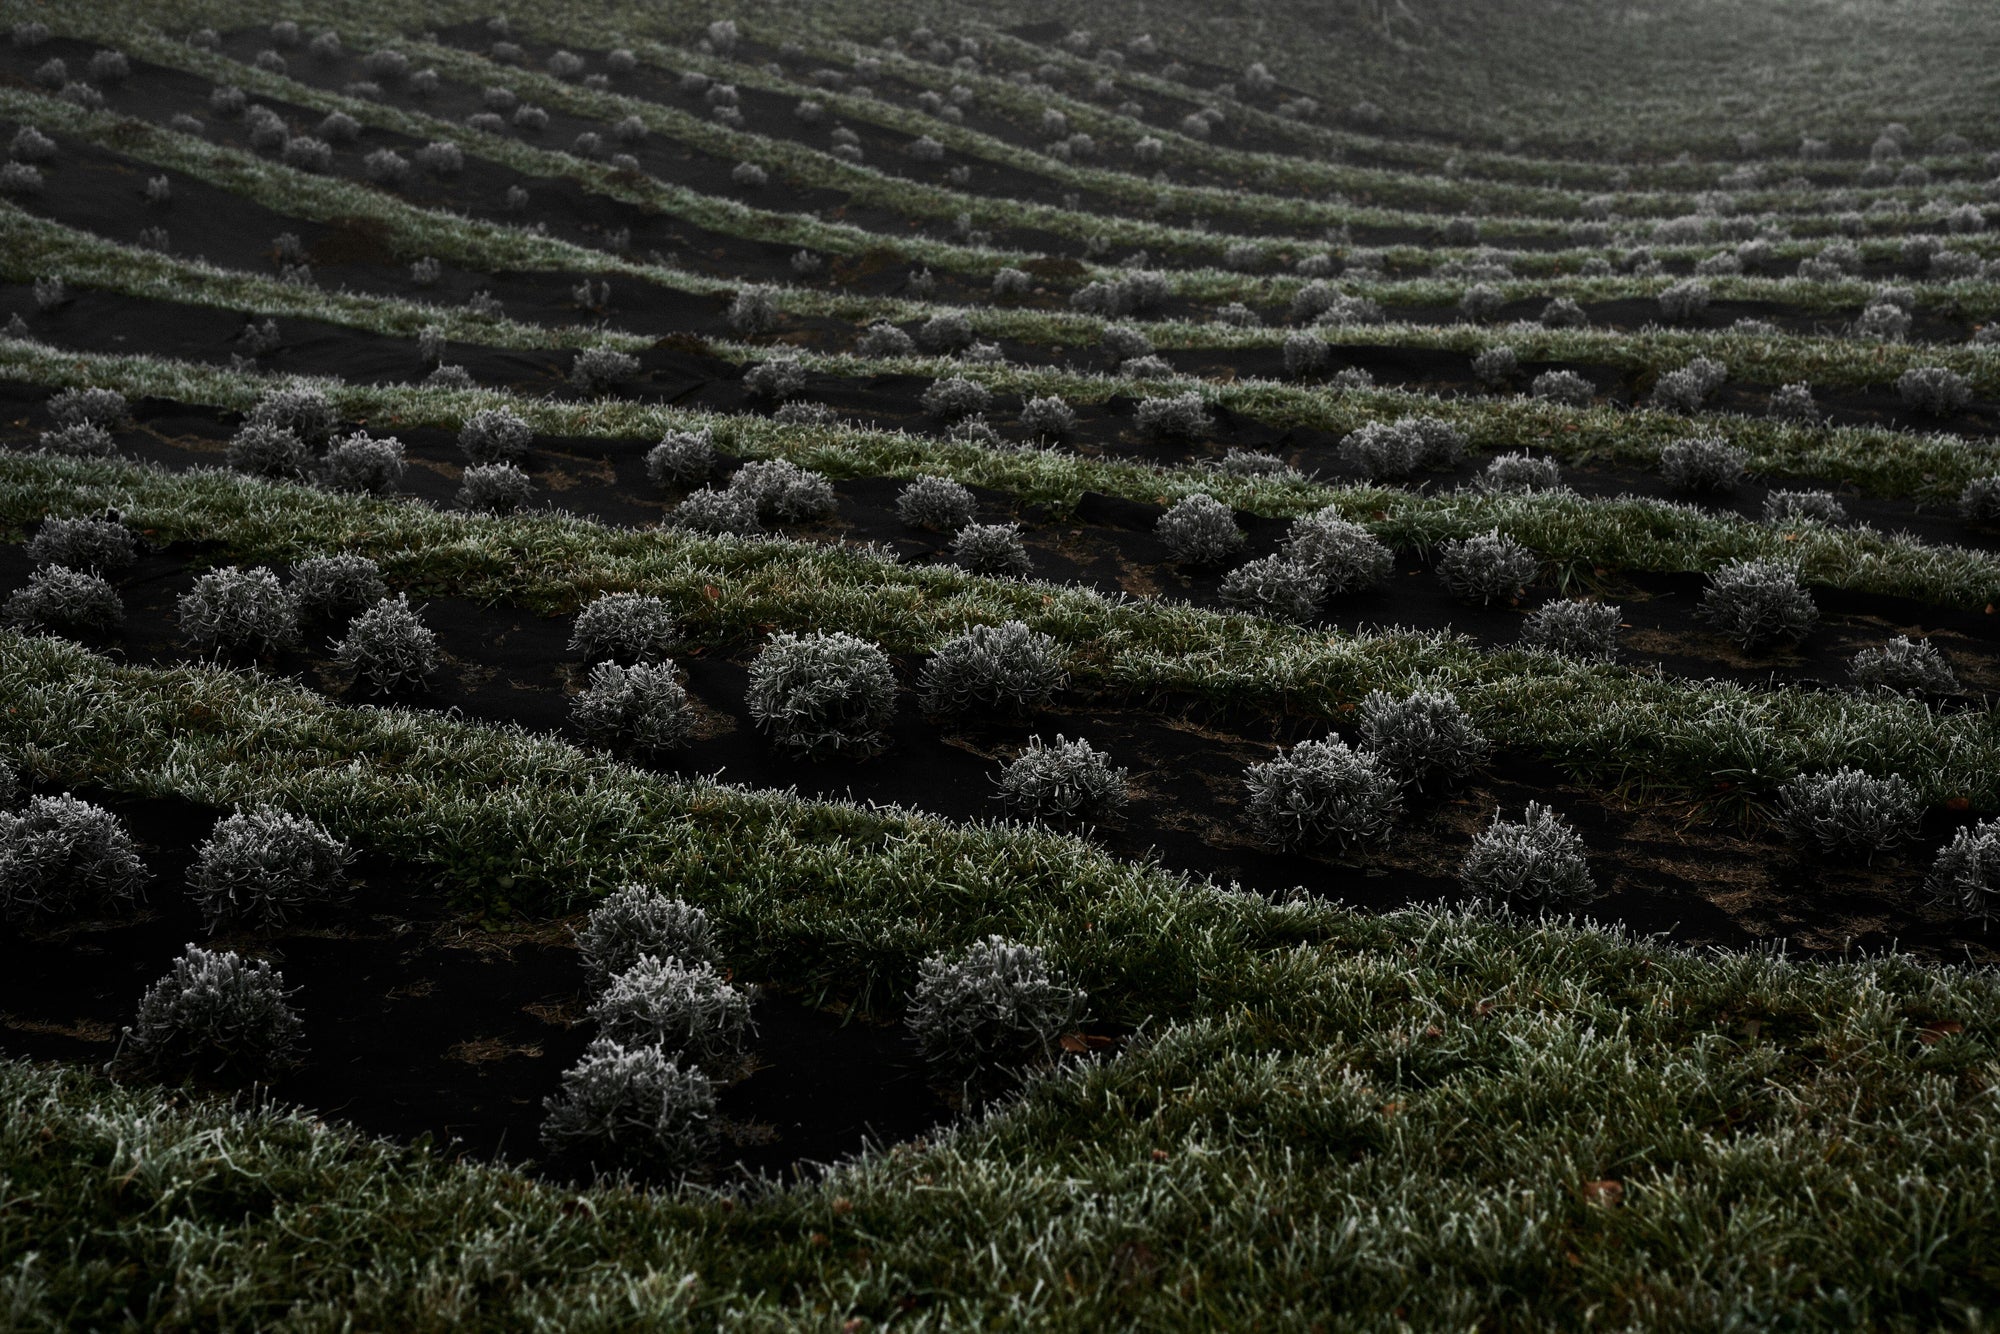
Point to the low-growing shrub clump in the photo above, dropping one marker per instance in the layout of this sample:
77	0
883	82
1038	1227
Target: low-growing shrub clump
1979	501
218	1012
264	450
640	710
1575	629
1934	390
955	397
62	857
1794	403
1704	465
823	695
634	921
301	409
1519	473
682	1006
1425	739
937	503
1320	792
1564	387
624	627
992	549
1004	669
776	378
1687	389
1803	507
388	647
1199	530
1048	418
95	407
1905	666
1069	781
100	545
364	464
1486	568
599	370
232	610
682	458
1847	812
494	488
1966	875
1183	417
783	492
59	600
494	435
1538	860
1758	604
996	1004
632	1106
1684	300
260	865
1282	586
717	512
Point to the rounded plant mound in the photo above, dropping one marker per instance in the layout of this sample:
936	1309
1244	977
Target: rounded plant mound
994	1005
61	857
1069	781
1538	859
1321	792
632	1107
1004	669
823	695
217	1012
260	865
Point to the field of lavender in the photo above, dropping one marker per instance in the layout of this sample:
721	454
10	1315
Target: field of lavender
842	668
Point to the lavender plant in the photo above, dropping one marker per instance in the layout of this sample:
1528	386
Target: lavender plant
996	1004
1005	670
1848	812
1538	860
262	864
822	695
1321	792
62	857
388	647
217	1011
641	710
1067	782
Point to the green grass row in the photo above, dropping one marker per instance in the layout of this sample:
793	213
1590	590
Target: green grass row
1542	1123
1577	536
1623	728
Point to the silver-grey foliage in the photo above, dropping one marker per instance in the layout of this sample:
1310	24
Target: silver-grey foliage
632	1106
1794	403
753	310
237	610
98	407
599	370
300	409
365	464
60	600
263	449
1199	530
1848	812
338	586
1486	568
1703	465
1564	387
625	627
640	710
955	396
62	856
388	647
77	440
1538	860
716	511
1904	665
494	488
883	339
1321	792
99	545
1575	629
996	1004
1048	418
823	694
682	1006
682	458
1687	389
991	549
1424	739
1803	507
1181	417
636	920
1979	500
1283	586
1065	781
1758	604
494	435
783	492
261	864
776	378
1496	367
220	1012
1934	390
1684	300
1966	875
1520	473
937	503
1004	669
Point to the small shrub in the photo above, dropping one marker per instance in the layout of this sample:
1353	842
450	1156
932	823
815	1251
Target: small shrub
635	921
1688	388
494	435
775	378
1049	418
300	409
1564	387
1496	368
234	610
1583	630
1068	781
936	503
716	512
632	1106
821	695
1518	473
364	464
1758	604
753	310
308	154
59	600
31	145
1538	860
1343	556
1182	417
783	492
625	627
1803	507
996	1004
494	488
948	331
954	397
882	339
683	1007
260	865
268	451
1425	739
640	710
993	549
1004	669
442	159
1703	466
599	370
1486	568
1321	792
1252	463
682	458
750	176
387	167
1280	586
82	440
340	586
1481	303
1563	313
1966	874
1882	320
1008	282
93	407
1123	343
1684	300
1306	353
1847	812
1199	530
1934	390
62	857
388	647
1979	501
1794	403
218	1011
103	546
1905	666
1382	450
